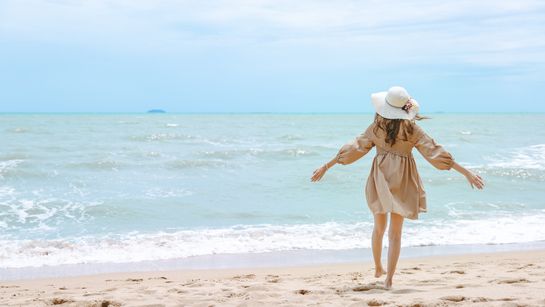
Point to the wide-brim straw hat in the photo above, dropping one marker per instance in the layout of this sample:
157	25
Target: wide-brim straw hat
396	103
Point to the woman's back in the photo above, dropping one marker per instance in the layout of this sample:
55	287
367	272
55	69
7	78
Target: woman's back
400	141
397	137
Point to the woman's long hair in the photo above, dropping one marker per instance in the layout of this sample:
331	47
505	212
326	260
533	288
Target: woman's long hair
391	127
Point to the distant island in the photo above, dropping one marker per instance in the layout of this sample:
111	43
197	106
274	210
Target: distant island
156	111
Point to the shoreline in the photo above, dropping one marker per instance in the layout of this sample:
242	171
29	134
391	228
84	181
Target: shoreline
278	259
490	279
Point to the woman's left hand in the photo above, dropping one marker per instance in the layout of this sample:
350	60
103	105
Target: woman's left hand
318	173
474	180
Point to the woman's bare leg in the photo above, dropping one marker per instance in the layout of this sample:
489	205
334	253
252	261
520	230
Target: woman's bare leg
394	237
378	234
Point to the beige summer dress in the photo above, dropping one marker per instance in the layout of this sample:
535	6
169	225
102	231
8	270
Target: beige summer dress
394	184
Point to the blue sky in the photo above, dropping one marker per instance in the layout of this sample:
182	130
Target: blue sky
269	56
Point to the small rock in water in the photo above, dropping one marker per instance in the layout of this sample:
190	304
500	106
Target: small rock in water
156	111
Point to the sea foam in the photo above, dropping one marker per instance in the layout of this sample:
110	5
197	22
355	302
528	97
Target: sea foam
529	157
135	246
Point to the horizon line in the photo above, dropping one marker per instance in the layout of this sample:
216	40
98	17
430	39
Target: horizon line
242	112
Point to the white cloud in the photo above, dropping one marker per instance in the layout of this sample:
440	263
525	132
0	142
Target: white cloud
489	33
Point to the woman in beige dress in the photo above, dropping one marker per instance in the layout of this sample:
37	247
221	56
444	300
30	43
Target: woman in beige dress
394	185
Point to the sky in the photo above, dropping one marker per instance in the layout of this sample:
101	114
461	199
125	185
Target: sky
270	55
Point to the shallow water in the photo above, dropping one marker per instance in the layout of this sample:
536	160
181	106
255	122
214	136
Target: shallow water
87	188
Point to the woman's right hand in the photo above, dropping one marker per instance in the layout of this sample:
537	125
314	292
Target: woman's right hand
318	173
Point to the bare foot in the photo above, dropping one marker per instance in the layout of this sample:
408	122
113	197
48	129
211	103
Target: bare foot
379	272
388	283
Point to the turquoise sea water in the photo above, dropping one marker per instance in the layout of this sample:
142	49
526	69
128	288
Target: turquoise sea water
102	188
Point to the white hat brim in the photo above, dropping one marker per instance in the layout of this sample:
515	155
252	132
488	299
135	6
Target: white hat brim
387	111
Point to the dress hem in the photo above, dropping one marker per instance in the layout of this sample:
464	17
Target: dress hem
411	217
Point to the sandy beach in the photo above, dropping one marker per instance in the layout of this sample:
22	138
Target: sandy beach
487	279
238	153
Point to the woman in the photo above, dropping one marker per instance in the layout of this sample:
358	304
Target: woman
394	185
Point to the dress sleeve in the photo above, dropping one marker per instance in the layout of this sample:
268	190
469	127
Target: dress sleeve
355	149
434	153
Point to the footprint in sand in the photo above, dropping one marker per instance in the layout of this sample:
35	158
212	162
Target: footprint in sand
247	276
480	299
161	277
236	295
526	266
340	291
375	302
417	305
460	298
61	293
356	275
454	272
191	283
454	298
429	281
272	278
513	281
110	289
404	291
369	287
60	301
92	294
176	290
259	287
106	303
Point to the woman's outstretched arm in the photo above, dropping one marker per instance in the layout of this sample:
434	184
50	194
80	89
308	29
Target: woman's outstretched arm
442	159
319	172
348	153
473	179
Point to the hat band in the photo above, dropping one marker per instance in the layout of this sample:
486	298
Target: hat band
386	99
406	107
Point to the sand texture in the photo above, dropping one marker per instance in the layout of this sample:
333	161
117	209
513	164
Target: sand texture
494	279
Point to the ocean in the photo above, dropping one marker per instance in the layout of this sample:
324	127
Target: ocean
126	188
